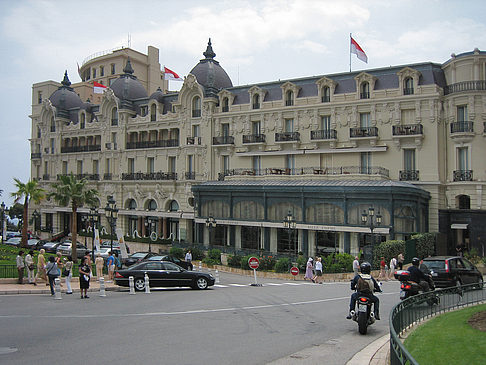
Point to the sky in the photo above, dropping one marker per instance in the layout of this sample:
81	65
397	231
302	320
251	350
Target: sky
254	41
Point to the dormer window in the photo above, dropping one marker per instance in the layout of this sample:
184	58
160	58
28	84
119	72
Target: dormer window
82	123
112	68
153	113
289	98
364	90
256	101
225	107
53	125
143	111
196	107
326	94
408	86
114	117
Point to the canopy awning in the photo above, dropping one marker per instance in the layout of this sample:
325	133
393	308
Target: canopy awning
459	226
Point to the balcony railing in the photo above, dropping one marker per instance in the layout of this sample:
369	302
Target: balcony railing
289	102
194	140
465	86
223	140
364	95
254	138
463	175
287	137
225	109
409	175
91	177
107	176
408	91
88	148
153	144
462	127
150	176
114	121
407	129
326	99
190	175
256	105
344	170
324	134
35	155
363	132
196	113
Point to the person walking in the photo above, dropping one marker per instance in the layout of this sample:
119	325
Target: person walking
393	265
20	267
110	263
308	270
52	272
59	263
99	263
84	277
356	266
41	267
382	269
188	258
400	261
29	263
318	276
68	269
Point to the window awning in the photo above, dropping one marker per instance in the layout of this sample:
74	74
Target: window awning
459	226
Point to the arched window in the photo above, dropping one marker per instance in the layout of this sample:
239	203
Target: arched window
196	107
83	121
132	204
464	202
326	94
289	98
174	206
256	101
53	125
152	205
114	116
225	105
153	113
408	86
364	91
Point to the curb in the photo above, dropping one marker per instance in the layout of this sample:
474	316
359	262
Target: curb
375	353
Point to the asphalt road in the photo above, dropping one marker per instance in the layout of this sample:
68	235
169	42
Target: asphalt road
233	323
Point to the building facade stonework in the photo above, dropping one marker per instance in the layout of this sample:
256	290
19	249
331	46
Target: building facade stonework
408	141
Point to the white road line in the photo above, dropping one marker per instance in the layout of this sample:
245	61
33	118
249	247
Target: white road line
273	284
220	286
238	284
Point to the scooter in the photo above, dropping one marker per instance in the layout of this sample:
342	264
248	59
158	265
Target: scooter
364	316
410	288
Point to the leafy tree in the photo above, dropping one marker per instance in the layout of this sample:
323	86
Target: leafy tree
16	211
29	191
71	191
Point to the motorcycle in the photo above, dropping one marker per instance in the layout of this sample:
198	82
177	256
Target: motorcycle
364	316
410	288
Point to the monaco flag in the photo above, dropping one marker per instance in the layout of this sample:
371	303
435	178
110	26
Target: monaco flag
358	51
98	88
171	75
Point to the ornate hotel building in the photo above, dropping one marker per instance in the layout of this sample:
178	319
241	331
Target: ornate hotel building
318	152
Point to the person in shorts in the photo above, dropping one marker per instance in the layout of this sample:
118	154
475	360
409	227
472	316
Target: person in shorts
110	263
318	269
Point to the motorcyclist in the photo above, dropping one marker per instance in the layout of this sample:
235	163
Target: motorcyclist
418	275
364	290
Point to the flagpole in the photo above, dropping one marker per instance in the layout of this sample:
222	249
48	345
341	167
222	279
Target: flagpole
350	37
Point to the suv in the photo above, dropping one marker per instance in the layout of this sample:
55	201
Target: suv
65	249
450	271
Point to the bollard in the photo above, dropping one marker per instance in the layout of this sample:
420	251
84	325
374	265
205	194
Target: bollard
131	284
199	265
217	277
102	287
57	288
147	284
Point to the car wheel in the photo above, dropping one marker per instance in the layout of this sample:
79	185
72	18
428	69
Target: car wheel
201	283
139	284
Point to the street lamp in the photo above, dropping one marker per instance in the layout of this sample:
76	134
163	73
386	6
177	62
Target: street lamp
111	212
36	216
93	218
3	213
374	221
210	223
290	224
150	225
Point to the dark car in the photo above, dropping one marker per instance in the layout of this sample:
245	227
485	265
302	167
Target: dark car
163	274
137	257
51	247
184	264
450	271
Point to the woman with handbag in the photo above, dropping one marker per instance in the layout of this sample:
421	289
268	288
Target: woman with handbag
67	272
84	277
29	263
52	272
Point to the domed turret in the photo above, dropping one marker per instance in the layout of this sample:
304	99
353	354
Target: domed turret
157	95
210	74
64	98
127	88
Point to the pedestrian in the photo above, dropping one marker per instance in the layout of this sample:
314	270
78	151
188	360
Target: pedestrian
87	254
318	276
52	272
393	265
188	258
30	265
99	263
356	266
110	264
41	266
117	261
68	274
84	277
20	267
309	274
382	269
400	261
59	263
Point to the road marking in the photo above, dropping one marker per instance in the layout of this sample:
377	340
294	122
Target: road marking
220	286
238	284
272	284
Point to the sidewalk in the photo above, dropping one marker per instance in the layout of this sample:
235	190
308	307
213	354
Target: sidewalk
10	287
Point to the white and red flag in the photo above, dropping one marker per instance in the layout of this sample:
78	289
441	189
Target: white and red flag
98	88
171	75
358	51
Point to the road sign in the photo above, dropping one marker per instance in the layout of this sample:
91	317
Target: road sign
294	271
253	263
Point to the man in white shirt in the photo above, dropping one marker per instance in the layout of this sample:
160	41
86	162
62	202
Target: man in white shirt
356	266
20	266
188	258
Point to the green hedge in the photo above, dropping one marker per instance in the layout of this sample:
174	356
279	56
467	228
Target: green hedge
388	250
425	244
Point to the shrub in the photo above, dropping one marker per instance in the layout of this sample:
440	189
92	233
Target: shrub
267	263
234	261
425	244
473	256
244	262
337	263
301	263
388	250
282	265
197	253
215	255
209	261
177	252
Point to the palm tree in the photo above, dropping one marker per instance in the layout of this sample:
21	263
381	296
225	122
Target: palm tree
30	191
70	190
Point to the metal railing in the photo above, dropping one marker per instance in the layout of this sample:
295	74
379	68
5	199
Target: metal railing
416	309
87	148
10	271
407	129
153	144
462	127
287	136
363	132
409	175
324	134
253	138
150	176
465	86
223	140
462	175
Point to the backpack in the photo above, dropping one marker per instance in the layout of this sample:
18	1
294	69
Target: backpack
365	284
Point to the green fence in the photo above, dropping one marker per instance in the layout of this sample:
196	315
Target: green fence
10	271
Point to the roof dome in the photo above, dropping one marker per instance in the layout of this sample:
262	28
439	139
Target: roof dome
210	74
64	97
157	95
127	87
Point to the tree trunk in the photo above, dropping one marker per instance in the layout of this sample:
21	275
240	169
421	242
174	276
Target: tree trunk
25	223
74	234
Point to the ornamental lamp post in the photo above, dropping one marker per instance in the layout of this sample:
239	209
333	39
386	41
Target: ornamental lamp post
3	215
35	216
290	224
111	212
93	218
210	223
373	222
150	226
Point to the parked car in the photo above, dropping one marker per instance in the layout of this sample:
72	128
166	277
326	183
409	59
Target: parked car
10	234
32	243
450	271
105	252
14	241
184	264
116	245
66	249
163	274
137	257
51	247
